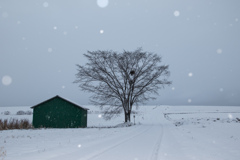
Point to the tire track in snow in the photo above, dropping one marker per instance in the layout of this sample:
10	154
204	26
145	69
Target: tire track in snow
97	155
157	146
99	146
158	134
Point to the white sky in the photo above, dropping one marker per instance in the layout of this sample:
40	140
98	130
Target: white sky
41	42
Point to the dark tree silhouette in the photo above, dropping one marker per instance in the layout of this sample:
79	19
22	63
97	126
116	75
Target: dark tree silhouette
121	80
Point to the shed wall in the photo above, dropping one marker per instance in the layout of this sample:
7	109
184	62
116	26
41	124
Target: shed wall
58	113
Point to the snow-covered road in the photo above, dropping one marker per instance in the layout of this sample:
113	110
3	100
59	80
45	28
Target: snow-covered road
143	142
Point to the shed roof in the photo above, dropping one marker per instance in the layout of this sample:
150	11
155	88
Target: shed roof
57	96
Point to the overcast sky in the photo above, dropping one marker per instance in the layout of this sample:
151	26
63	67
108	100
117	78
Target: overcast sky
41	42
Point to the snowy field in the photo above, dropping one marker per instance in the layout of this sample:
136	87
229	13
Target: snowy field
160	133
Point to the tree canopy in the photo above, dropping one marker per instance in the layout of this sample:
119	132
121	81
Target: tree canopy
120	80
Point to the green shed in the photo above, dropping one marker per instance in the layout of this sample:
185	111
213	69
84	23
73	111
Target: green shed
58	112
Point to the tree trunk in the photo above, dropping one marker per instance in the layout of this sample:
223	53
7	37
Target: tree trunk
127	117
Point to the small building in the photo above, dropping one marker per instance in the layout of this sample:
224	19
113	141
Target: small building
58	112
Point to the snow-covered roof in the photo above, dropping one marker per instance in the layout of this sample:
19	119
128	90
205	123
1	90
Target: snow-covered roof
57	96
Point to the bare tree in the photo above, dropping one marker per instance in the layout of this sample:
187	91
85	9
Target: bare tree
121	80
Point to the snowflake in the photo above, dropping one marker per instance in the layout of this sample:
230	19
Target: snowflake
189	100
221	89
79	146
190	74
219	51
6	80
102	3
45	4
230	116
99	116
50	50
65	33
55	28
101	31
176	13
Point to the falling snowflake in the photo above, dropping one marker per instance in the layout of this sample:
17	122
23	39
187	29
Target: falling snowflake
79	146
6	80
55	27
50	50
236	19
189	100
176	13
219	51
76	27
18	22
230	116
23	38
63	87
45	4
190	74
173	88
221	89
102	3
99	116
101	31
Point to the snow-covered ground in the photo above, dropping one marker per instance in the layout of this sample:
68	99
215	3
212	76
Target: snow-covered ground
161	132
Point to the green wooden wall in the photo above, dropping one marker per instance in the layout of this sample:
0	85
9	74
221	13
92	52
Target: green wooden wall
59	113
